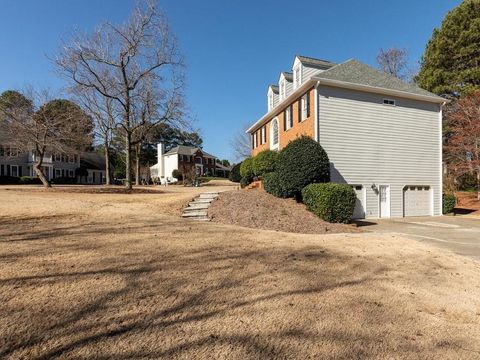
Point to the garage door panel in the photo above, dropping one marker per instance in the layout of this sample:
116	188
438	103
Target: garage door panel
417	201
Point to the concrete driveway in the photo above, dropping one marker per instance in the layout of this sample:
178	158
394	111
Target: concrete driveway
457	233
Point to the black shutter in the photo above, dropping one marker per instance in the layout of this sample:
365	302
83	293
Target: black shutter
308	104
8	170
284	120
19	171
1	170
300	110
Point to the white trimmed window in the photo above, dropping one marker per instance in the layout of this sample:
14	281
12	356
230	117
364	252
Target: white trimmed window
288	118
270	101
263	135
275	132
305	107
282	90
297	77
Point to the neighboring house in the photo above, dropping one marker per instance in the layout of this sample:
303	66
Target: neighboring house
183	158
92	167
383	136
17	164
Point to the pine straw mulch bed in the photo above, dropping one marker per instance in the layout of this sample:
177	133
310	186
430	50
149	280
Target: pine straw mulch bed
467	203
259	210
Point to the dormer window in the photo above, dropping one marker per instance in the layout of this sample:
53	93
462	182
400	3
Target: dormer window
297	77
282	90
270	101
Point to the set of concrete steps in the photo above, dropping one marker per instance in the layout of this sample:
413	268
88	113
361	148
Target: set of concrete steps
197	209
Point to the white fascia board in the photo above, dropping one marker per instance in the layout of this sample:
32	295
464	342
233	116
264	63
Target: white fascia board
379	90
305	86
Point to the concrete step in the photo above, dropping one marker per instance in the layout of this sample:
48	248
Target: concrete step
202	200
196	213
190	209
197	205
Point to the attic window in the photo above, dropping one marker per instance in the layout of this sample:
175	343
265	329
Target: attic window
297	76
389	102
282	89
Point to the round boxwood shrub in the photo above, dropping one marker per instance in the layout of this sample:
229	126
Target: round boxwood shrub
302	162
235	173
272	185
331	202
177	174
246	170
264	162
449	203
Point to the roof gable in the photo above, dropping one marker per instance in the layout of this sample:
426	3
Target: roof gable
312	62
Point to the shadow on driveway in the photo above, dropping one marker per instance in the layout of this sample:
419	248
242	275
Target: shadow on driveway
456	233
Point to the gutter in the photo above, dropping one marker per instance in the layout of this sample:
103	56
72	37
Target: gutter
316	81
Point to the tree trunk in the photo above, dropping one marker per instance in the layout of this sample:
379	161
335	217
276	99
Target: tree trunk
107	162
478	184
137	165
38	169
128	161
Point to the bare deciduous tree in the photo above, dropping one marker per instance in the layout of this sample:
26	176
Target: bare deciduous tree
102	111
34	122
240	143
463	143
393	61
117	61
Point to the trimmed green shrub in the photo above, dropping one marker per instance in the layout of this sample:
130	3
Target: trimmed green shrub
246	169
244	182
64	181
300	163
331	202
449	203
30	180
272	185
235	173
177	175
264	162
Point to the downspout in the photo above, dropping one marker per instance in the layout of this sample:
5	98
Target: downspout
316	112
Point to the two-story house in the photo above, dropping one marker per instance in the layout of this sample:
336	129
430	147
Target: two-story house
383	136
183	158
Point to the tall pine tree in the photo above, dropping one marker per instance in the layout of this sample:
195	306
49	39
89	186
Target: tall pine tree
451	62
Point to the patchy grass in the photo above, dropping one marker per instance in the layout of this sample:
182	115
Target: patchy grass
102	276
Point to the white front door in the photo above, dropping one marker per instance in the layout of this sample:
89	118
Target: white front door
384	201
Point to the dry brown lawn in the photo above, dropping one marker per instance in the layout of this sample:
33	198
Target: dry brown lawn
122	276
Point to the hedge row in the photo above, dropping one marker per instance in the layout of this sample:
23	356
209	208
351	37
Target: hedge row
330	202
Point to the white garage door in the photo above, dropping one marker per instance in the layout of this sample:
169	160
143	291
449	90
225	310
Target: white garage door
417	201
359	212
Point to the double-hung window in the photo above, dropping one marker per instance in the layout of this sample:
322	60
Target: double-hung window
304	107
288	118
263	135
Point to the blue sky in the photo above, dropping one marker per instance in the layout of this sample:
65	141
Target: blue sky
233	49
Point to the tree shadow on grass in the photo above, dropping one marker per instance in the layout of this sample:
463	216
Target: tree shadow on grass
172	300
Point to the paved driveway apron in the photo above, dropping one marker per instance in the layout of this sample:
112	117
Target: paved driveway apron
457	233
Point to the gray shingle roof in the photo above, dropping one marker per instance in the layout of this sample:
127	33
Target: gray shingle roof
186	150
318	63
288	76
353	71
274	88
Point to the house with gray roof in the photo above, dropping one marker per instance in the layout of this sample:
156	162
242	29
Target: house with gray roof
184	159
383	136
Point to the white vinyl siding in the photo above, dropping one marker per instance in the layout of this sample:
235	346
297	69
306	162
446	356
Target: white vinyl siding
370	143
